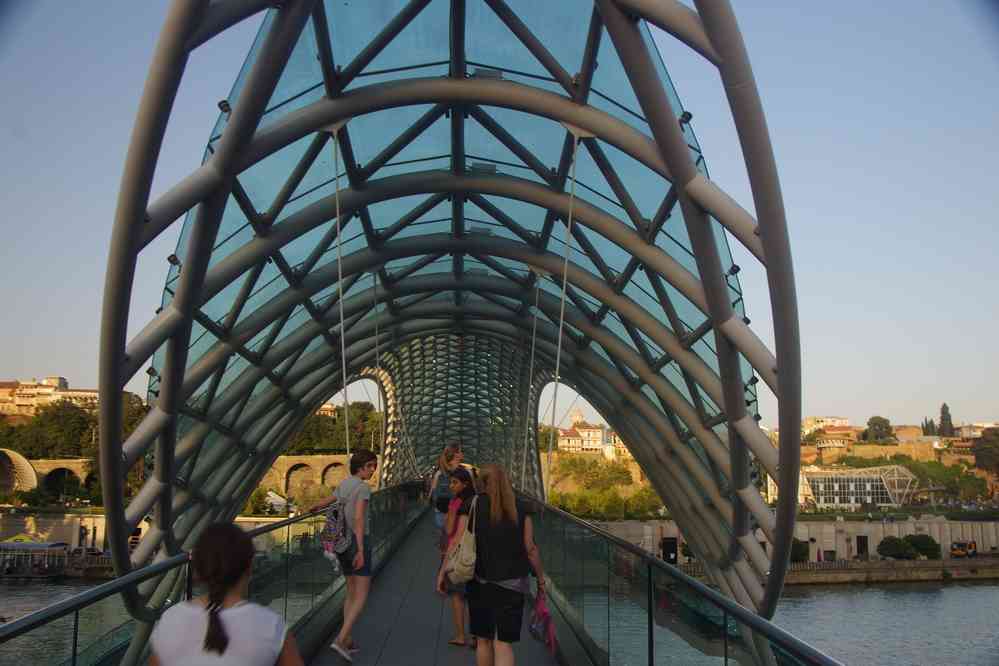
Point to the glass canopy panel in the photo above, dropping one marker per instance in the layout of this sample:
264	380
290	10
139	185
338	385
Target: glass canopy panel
425	383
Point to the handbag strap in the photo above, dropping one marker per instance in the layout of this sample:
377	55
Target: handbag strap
473	514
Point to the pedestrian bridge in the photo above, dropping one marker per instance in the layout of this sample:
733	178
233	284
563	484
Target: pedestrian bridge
465	201
612	603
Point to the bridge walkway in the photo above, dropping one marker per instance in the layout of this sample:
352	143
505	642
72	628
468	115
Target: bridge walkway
406	622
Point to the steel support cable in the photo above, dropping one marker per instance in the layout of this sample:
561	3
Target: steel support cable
561	313
339	287
530	378
378	374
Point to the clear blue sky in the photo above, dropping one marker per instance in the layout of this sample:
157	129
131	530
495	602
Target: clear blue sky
883	117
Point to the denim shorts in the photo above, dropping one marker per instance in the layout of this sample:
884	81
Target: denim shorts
347	562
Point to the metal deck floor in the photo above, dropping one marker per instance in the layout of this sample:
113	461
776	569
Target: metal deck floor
406	623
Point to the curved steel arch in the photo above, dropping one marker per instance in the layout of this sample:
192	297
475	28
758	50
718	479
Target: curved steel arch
247	342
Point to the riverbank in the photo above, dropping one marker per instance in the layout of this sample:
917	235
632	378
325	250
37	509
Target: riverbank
882	571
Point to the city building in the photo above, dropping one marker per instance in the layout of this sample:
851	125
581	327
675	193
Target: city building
614	448
888	485
812	423
847	432
22	398
592	436
850	488
973	430
569	440
327	409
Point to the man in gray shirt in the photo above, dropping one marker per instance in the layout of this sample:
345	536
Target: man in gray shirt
353	494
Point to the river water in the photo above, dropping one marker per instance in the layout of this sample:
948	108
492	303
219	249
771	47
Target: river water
917	624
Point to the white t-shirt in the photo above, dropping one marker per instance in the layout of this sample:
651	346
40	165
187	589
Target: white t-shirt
256	636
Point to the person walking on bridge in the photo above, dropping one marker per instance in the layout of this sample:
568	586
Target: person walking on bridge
236	632
353	493
505	554
440	494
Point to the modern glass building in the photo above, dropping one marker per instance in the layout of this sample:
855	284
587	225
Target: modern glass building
888	485
462	200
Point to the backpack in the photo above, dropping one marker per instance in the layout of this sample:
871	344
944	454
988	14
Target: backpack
336	538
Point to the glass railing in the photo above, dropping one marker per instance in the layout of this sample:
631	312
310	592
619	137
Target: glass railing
628	608
290	575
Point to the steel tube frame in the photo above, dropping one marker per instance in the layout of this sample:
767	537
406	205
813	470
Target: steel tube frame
257	422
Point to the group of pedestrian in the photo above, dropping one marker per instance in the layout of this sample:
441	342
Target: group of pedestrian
485	506
471	507
242	633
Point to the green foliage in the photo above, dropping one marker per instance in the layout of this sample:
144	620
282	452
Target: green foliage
799	550
986	450
547	434
256	504
56	431
65	430
592	472
946	427
644	504
35	497
895	548
929	427
813	437
325	434
608	504
878	429
924	545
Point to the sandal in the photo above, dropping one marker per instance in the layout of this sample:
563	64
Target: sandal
455	642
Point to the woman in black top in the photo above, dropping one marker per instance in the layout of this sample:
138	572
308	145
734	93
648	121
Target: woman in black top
505	554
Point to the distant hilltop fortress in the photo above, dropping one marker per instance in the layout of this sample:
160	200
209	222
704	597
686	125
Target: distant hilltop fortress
24	398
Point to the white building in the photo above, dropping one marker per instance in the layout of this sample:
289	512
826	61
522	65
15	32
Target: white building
813	423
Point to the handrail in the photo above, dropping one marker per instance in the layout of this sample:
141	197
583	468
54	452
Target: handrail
93	595
63	608
768	629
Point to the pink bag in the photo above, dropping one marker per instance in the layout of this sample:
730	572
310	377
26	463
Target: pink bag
542	627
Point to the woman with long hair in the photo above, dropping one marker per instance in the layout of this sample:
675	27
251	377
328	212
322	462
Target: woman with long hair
462	492
440	495
222	627
505	554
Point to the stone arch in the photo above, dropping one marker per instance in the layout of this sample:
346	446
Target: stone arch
16	473
61	480
333	474
298	478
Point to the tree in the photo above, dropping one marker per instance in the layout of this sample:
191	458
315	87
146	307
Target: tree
645	503
878	429
929	427
610	504
946	427
986	450
897	549
924	545
58	430
813	437
256	504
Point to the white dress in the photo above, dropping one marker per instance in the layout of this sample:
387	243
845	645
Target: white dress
256	636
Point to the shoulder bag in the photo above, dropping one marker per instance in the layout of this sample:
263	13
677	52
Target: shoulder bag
461	562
